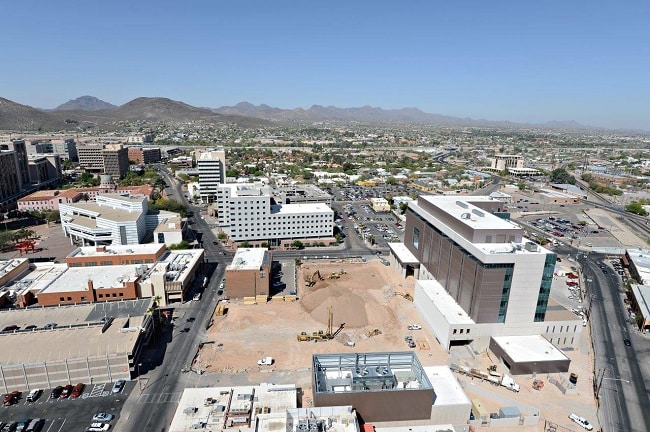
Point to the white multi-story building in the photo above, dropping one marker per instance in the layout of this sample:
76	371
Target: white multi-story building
111	219
212	173
247	212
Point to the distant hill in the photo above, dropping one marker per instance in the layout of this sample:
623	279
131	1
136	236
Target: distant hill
84	103
368	114
14	116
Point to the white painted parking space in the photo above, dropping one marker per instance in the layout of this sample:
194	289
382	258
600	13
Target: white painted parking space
98	390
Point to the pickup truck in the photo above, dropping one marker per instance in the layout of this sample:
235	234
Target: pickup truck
266	361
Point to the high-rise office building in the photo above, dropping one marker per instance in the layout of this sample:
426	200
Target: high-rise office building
212	173
116	160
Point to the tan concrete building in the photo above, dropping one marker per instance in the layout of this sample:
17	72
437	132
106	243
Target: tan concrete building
249	274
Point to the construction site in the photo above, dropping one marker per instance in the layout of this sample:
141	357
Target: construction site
340	306
367	307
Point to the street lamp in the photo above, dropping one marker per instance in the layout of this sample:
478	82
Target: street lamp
603	378
139	382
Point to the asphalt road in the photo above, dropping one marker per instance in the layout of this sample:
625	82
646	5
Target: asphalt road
153	403
623	377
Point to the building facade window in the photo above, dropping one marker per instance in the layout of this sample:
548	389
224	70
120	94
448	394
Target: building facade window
416	238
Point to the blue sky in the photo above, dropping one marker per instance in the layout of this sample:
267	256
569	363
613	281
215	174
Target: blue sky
500	60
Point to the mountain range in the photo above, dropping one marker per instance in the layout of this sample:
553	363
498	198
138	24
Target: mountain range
89	111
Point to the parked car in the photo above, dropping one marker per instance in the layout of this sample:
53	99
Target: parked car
118	386
56	392
67	390
266	361
35	425
50	326
627	342
33	395
98	427
103	417
415	327
78	390
11	398
581	421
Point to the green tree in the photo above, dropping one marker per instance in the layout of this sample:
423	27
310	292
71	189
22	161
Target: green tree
298	244
560	175
637	208
181	245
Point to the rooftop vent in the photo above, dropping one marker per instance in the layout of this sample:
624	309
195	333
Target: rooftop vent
466	216
462	204
478	212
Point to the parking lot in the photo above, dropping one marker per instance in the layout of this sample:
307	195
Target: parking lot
380	227
68	414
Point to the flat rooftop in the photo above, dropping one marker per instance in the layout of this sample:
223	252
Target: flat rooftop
300	208
249	259
103	212
78	333
363	372
92	251
641	260
215	155
402	253
40	276
261	402
247	189
534	348
76	278
446	305
446	387
462	209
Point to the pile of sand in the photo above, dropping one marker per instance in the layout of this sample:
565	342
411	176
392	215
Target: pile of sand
347	306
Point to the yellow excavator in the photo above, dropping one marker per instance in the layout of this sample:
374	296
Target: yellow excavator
310	280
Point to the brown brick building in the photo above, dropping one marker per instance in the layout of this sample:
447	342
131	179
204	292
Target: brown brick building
249	274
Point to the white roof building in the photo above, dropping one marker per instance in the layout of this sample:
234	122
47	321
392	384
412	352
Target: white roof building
247	212
112	219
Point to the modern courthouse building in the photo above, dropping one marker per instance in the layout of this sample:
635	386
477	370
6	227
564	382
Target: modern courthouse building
479	277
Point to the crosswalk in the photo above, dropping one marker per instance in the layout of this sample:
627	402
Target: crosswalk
151	398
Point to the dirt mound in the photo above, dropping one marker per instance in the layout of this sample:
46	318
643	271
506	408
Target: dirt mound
348	307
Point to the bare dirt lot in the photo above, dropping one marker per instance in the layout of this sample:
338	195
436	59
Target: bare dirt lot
363	298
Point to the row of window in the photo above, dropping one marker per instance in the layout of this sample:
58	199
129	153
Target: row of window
83	299
110	263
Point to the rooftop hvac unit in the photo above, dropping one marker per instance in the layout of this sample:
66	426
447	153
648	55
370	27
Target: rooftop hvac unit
531	247
466	216
462	204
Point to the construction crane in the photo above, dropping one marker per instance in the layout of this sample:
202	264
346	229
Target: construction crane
321	335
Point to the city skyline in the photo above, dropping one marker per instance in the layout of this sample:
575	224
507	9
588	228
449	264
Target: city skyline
507	61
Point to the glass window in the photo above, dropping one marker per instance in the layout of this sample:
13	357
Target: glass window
416	238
